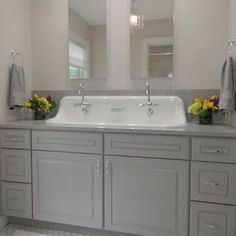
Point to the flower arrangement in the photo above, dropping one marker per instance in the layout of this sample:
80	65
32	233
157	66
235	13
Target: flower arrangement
204	109
40	105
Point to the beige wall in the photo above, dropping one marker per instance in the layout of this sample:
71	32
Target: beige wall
232	35
200	42
232	22
200	45
14	34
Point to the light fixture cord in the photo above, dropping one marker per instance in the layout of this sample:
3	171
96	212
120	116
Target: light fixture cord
133	8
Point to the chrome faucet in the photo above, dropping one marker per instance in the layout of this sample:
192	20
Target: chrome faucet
148	93
83	104
149	104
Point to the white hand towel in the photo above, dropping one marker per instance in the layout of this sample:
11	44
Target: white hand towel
228	85
16	87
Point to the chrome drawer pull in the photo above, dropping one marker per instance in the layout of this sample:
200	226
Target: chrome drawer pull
11	139
212	151
211	183
14	139
209	226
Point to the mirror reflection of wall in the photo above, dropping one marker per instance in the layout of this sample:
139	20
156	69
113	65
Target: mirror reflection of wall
151	44
87	39
160	61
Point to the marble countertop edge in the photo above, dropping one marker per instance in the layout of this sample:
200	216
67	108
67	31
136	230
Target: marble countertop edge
192	129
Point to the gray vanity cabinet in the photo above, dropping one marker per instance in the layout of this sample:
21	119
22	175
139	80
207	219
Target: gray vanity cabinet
68	177
145	192
67	188
146	196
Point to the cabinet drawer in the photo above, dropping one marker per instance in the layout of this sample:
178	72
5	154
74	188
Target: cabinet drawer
147	146
16	199
214	150
212	220
13	138
67	141
213	182
16	165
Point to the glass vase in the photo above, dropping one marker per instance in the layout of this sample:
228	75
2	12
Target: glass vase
206	118
39	115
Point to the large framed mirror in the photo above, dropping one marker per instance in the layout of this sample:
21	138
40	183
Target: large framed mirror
151	39
87	39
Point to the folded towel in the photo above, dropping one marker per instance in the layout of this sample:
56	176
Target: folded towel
16	87
228	85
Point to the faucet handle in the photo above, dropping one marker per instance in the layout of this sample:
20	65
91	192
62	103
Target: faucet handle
142	104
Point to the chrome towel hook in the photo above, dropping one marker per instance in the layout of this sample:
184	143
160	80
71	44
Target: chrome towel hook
231	43
15	54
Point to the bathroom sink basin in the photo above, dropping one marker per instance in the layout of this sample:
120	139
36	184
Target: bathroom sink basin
121	112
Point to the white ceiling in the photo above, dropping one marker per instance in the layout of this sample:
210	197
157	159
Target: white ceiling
94	11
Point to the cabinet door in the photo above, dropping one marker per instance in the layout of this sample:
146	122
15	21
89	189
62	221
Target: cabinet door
146	196
67	188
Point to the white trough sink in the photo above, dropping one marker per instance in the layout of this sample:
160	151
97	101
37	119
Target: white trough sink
121	112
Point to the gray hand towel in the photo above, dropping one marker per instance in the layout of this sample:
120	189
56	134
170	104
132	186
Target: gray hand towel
228	85
16	87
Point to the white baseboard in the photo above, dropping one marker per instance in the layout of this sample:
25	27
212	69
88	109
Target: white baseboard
3	221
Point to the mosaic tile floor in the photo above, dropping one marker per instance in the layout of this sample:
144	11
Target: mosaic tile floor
19	230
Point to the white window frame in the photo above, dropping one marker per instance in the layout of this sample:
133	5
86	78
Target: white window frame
74	38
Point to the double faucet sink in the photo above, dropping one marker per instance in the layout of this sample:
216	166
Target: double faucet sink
121	111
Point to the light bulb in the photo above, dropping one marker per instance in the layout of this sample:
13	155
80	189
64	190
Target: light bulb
133	20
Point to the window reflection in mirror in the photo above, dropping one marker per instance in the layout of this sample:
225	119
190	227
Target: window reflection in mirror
87	39
151	43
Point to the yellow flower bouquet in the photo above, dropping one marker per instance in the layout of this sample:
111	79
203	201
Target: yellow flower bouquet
40	105
204	109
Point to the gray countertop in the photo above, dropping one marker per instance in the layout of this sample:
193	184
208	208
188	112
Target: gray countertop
192	129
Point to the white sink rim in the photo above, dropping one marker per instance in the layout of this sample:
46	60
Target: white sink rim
130	125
